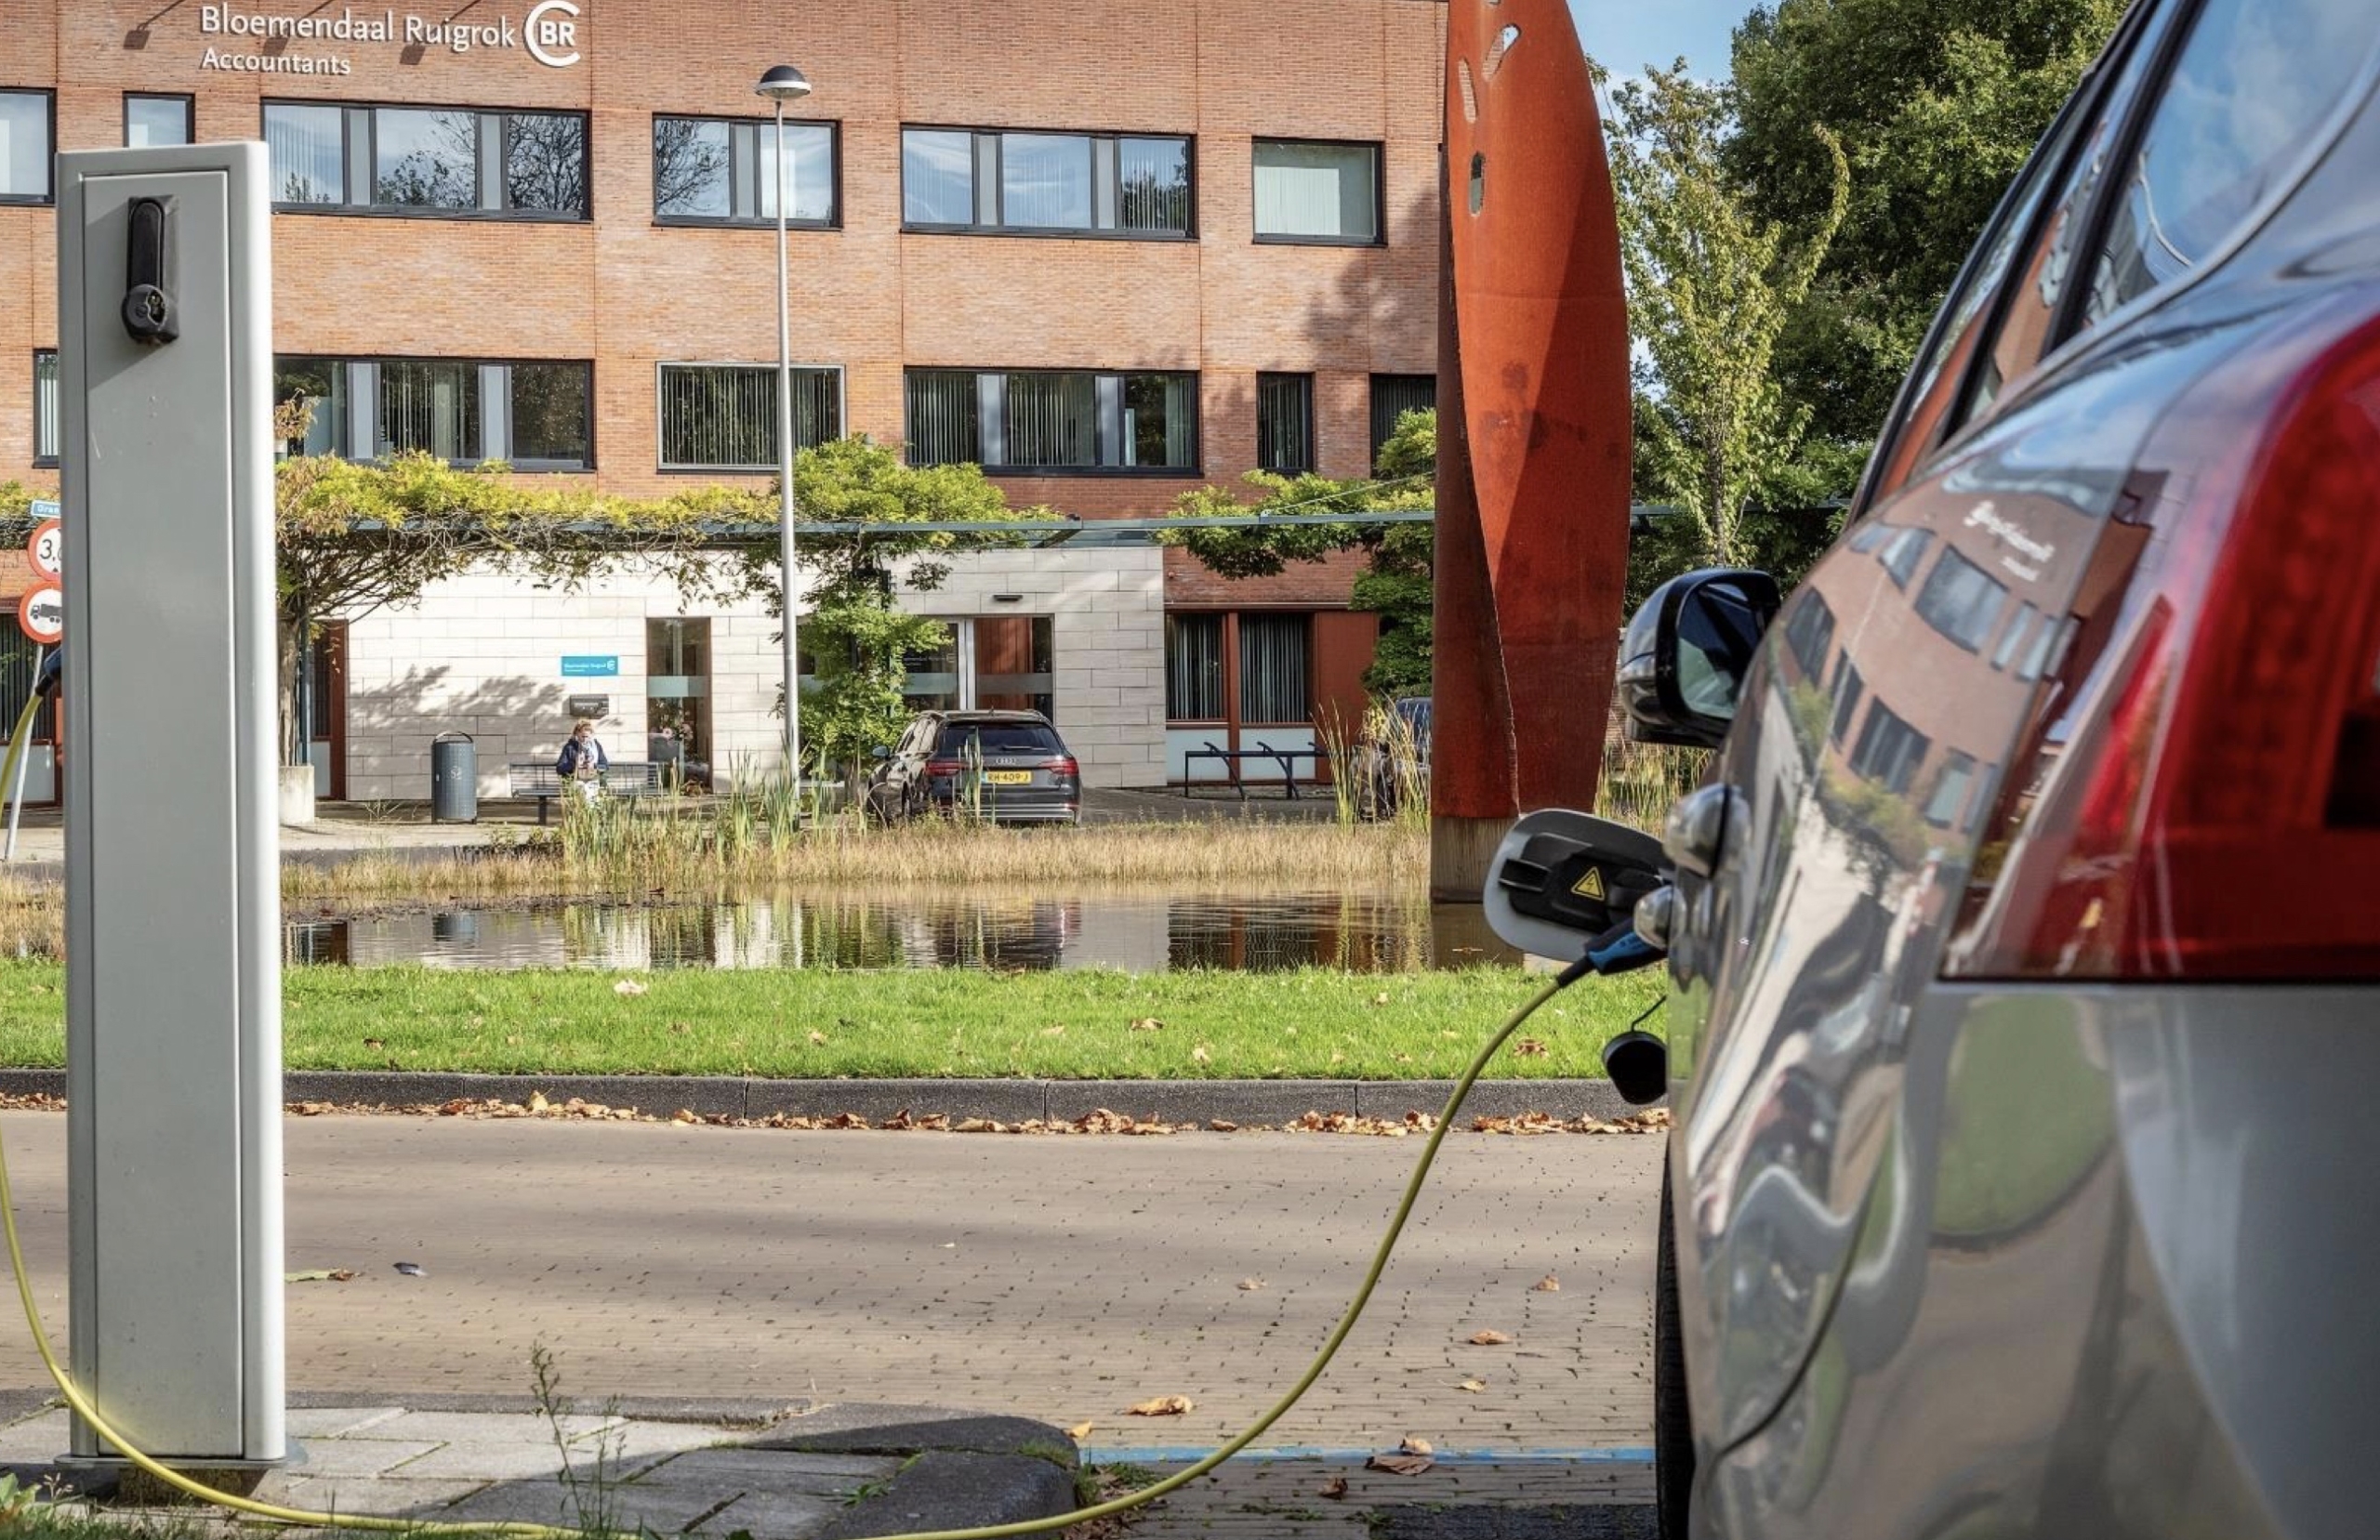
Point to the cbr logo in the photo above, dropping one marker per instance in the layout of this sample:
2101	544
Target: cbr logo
551	32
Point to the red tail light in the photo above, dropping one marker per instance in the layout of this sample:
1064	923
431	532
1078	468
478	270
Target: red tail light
1063	765
2216	814
945	767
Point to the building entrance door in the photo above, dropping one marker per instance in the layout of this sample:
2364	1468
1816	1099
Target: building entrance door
987	663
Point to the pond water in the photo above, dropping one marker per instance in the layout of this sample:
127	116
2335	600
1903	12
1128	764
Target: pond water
1138	931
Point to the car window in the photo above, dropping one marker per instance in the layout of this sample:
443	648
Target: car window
2247	96
992	738
1935	382
2022	332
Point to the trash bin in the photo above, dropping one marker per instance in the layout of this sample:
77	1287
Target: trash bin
454	779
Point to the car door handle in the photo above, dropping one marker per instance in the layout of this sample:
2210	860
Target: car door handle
1705	827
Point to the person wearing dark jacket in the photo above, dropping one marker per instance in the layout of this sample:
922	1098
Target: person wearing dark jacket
583	760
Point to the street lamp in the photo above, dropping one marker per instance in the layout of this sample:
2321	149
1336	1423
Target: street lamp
783	83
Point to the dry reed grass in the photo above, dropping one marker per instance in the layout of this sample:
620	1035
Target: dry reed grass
843	852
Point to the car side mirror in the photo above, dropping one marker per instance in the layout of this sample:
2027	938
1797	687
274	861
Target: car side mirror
1688	651
880	751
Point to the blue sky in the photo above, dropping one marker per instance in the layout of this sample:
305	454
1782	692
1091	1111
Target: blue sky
1625	35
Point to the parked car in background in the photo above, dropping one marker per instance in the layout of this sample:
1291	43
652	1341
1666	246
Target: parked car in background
1390	764
2024	940
1009	767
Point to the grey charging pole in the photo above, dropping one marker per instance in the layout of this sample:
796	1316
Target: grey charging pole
173	964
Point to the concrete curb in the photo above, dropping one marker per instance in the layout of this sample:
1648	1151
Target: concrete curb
1252	1103
962	1470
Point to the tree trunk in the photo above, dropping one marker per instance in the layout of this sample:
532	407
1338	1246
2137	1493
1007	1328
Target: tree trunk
289	637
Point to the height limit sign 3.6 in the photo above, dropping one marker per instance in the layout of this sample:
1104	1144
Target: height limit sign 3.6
42	612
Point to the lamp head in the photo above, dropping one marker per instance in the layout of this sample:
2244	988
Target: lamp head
783	83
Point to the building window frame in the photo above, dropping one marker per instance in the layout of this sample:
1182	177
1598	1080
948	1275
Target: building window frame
1208	675
51	419
1299	434
1383	425
359	162
744	149
1110	390
189	111
359	377
1378	238
49	193
985	184
660	428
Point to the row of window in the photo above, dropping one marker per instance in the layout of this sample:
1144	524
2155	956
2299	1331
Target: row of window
468	161
539	414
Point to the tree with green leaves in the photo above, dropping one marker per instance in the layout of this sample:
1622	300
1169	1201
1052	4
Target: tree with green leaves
352	537
1397	581
1710	287
1934	104
859	635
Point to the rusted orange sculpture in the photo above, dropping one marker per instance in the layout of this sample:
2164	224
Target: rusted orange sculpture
1533	435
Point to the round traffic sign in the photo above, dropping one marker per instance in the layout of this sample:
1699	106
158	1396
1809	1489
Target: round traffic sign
45	551
41	614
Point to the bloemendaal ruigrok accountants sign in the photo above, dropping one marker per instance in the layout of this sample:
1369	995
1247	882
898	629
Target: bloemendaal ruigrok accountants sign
550	34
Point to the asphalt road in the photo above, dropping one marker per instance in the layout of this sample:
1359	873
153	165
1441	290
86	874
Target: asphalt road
1062	1278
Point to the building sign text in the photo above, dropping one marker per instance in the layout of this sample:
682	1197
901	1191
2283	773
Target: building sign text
550	34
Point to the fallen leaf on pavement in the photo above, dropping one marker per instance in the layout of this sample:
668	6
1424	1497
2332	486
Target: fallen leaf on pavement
412	1269
628	987
1219	1125
1471	1385
1149	1023
537	1102
1400	1464
321	1275
1489	1338
1531	1048
683	1116
1335	1487
1411	1446
1547	1284
1162	1406
1079	1431
1251	1285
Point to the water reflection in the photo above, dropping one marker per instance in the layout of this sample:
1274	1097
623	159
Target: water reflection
1367	932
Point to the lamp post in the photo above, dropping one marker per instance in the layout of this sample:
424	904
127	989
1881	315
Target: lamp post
783	83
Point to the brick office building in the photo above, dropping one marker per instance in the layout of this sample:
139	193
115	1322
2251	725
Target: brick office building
1109	252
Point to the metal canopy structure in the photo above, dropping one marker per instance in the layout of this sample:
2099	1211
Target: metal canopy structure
1042	533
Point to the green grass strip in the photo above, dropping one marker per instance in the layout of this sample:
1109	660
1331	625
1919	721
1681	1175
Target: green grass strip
813	1024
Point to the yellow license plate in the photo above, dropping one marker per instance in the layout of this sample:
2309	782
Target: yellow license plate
1008	778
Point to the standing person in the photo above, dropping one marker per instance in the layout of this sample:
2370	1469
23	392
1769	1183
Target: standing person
583	760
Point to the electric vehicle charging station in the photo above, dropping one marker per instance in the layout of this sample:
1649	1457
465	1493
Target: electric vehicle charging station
173	979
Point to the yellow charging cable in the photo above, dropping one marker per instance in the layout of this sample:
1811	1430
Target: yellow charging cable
90	1414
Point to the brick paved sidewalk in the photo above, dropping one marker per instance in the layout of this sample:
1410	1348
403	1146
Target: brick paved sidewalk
1063	1278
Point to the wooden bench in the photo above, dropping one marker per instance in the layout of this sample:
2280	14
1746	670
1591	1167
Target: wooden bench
537	780
1286	758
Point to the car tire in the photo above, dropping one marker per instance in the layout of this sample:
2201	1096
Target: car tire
1673	1422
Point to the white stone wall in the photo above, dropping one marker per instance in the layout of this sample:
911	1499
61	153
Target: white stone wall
1108	629
482	654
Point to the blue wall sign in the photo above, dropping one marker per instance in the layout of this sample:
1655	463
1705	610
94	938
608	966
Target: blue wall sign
590	665
45	507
